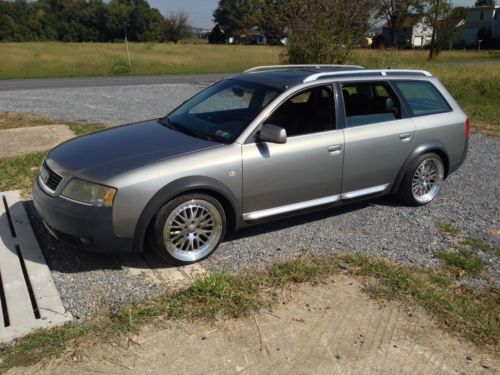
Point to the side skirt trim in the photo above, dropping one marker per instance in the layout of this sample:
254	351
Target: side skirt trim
291	207
256	215
367	191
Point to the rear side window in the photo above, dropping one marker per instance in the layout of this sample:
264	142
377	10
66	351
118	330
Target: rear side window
369	103
423	98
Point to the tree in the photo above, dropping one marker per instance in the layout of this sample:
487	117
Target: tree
176	27
483	3
444	20
79	20
216	36
395	13
7	28
324	31
233	16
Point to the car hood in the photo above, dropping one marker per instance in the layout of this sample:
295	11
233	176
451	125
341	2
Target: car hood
113	151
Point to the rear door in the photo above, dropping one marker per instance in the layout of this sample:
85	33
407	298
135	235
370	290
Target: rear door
378	137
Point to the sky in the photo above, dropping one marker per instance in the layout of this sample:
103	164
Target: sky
200	11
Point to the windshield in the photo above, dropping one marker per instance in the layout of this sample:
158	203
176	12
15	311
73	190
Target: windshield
222	111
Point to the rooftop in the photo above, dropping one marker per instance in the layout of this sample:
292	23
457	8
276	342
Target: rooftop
284	76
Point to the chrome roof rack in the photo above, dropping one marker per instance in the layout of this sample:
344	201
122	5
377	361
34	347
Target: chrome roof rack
304	66
368	72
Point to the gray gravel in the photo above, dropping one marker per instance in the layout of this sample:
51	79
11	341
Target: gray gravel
108	105
382	227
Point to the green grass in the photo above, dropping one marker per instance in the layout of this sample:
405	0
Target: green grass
447	229
53	59
220	295
477	244
463	259
19	172
81	129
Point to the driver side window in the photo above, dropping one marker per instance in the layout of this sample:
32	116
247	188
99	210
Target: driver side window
310	111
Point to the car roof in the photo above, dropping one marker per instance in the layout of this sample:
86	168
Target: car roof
286	76
283	78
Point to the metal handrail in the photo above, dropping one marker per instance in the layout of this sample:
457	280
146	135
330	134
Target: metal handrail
316	66
381	72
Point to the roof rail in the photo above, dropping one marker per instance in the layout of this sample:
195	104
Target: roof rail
367	72
304	66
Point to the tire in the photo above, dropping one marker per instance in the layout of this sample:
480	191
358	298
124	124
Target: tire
422	181
188	228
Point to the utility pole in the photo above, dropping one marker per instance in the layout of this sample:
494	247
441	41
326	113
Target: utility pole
128	52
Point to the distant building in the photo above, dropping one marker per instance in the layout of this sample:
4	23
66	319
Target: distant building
414	33
480	23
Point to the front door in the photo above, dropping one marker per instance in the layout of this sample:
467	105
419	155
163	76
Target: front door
304	172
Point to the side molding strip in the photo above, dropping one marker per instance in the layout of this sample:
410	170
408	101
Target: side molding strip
367	191
291	207
313	203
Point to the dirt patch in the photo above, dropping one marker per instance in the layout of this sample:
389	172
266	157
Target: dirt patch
330	328
19	141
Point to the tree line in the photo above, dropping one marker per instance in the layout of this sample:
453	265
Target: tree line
326	31
88	21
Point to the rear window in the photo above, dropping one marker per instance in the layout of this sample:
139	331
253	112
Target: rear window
423	98
369	103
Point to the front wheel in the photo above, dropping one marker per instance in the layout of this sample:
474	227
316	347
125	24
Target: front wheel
422	181
189	228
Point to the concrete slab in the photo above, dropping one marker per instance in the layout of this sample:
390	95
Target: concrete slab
20	141
29	297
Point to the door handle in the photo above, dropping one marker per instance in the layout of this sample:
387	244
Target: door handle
335	149
405	137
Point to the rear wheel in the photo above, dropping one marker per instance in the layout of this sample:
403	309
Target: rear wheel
422	181
189	228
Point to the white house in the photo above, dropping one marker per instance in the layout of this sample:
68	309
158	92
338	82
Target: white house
477	18
414	33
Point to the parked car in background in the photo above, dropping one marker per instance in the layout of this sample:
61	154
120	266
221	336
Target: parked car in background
271	142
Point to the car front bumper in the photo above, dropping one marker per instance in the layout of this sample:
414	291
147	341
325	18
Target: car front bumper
88	227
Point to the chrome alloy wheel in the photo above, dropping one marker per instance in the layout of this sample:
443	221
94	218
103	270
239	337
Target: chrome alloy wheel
427	179
192	230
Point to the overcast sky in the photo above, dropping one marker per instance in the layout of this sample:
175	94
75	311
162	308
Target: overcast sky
200	11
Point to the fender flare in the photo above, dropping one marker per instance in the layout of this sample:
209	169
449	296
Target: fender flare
179	187
428	146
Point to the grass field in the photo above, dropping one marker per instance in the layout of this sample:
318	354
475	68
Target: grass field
473	77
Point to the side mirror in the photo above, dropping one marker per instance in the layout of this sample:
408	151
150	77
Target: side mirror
272	133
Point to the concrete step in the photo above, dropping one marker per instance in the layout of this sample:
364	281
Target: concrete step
29	298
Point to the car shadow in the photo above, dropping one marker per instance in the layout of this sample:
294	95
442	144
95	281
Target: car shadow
65	258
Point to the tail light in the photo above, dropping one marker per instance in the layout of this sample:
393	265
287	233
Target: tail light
467	128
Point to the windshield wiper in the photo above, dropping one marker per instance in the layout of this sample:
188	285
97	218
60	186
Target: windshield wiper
174	126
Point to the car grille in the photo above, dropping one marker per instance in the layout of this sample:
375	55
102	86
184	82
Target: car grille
50	178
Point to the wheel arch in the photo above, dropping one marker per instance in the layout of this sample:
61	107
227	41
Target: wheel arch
426	147
194	184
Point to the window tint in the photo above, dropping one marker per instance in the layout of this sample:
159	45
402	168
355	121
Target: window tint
222	111
423	98
369	103
307	112
231	98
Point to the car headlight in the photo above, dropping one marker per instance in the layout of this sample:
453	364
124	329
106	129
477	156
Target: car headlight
89	193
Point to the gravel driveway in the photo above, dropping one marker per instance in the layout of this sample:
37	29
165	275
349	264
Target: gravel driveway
109	105
382	227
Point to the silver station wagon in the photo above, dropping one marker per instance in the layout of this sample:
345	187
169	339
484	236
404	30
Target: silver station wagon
270	142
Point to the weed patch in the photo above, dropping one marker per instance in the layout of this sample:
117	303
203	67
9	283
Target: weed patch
447	229
481	246
463	259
